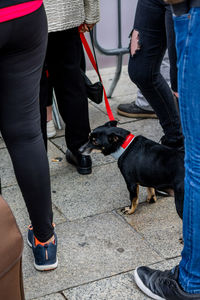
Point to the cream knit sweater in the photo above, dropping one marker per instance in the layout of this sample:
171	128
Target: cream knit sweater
65	14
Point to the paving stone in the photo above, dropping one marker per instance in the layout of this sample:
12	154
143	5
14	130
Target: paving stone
89	249
54	152
120	287
13	197
114	102
160	225
150	128
59	132
51	297
79	196
7	172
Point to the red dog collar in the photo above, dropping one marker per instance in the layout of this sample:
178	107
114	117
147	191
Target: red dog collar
124	146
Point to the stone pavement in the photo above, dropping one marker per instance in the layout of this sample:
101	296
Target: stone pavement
99	248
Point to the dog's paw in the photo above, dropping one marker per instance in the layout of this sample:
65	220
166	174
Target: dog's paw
127	210
152	199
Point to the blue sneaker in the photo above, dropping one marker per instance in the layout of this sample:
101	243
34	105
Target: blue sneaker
44	253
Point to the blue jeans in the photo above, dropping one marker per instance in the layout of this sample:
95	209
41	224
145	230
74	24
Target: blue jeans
187	28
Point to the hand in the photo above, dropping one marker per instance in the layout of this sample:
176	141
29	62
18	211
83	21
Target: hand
86	27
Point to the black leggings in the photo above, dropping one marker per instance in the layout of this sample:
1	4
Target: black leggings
154	23
22	51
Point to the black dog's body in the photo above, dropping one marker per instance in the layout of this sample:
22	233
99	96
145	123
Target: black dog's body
150	164
144	163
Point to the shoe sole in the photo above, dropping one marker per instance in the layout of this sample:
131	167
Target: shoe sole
144	289
161	193
44	267
129	115
82	171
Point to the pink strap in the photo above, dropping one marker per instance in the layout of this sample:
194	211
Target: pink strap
19	10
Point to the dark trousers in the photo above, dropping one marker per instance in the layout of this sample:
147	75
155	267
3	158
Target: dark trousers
63	60
154	23
22	51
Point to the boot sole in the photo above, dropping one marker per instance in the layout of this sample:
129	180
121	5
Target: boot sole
135	115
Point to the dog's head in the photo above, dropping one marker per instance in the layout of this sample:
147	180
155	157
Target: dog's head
106	139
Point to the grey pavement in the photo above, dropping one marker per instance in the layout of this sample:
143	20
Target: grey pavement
99	247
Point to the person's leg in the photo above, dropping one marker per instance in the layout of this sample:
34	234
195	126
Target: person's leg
188	45
20	71
148	46
171	46
64	54
140	108
142	102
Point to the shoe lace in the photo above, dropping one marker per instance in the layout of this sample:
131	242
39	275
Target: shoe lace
167	277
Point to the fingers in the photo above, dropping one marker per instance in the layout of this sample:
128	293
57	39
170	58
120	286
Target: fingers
86	27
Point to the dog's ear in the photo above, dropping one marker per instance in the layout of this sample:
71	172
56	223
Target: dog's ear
111	124
118	134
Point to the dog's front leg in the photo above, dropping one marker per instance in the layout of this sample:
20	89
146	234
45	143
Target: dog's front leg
151	195
134	192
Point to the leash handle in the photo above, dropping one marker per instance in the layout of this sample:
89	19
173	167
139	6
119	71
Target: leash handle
95	66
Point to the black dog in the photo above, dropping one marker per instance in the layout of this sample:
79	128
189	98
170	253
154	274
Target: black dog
141	162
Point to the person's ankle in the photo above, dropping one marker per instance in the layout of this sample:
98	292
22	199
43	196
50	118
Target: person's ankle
173	142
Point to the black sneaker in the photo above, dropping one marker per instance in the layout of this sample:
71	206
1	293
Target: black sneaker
83	163
161	285
131	110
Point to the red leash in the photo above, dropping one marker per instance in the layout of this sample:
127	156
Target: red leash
93	62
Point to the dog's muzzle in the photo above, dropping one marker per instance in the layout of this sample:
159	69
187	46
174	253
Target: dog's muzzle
85	149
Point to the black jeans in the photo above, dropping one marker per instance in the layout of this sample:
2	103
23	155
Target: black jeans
153	22
22	51
63	59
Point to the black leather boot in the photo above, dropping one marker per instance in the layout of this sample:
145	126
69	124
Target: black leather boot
83	163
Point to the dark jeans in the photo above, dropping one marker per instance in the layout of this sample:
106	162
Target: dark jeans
64	59
22	51
154	23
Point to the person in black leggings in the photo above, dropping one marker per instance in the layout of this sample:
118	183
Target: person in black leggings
22	52
152	34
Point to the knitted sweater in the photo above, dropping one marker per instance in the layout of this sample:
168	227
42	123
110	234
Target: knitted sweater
65	14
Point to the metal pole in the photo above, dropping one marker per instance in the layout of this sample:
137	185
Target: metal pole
119	52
